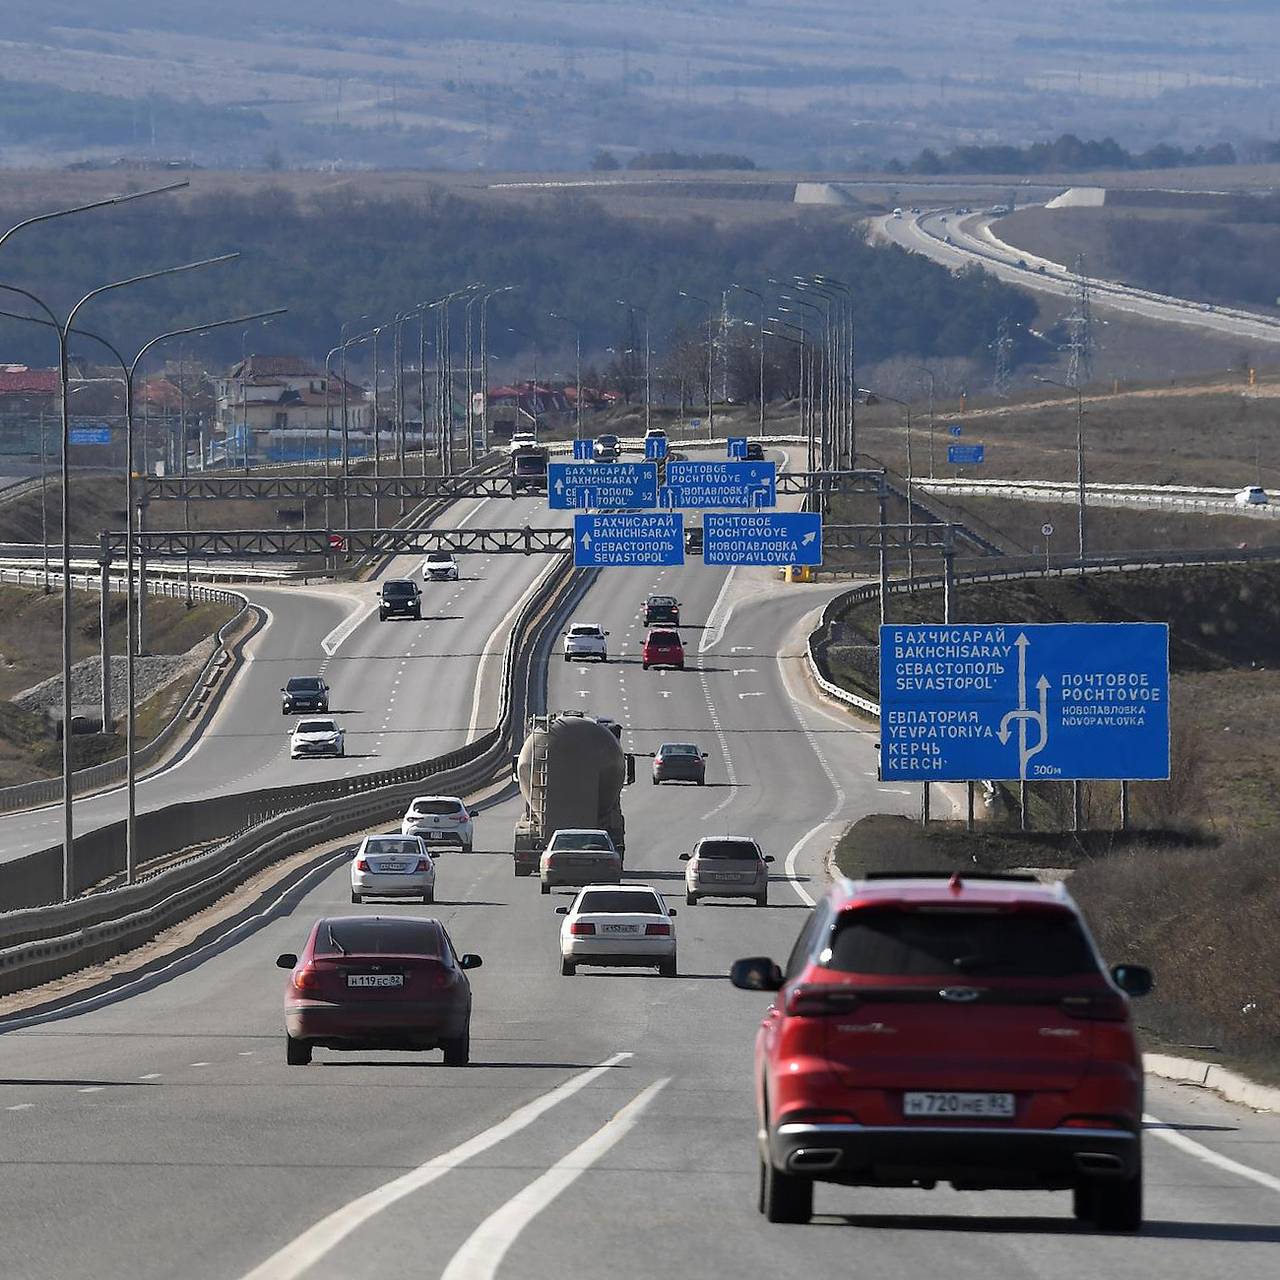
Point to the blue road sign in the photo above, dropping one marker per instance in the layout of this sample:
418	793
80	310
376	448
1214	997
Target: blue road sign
720	484
1064	700
584	450
611	540
766	537
695	423
655	448
966	455
737	446
956	430
575	486
89	435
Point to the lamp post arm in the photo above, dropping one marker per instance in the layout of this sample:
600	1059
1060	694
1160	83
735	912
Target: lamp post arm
94	204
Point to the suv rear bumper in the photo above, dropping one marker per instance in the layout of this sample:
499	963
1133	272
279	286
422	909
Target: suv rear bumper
971	1157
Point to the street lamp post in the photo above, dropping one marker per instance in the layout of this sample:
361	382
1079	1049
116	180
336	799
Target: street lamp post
806	409
484	361
759	297
847	454
928	373
577	367
711	367
1080	480
824	367
648	385
911	568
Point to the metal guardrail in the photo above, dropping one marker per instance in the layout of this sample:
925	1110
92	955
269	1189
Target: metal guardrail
1013	569
1104	495
41	942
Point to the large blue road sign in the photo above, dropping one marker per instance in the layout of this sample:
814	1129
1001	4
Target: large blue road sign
608	539
89	435
574	486
703	485
584	450
737	446
966	455
655	448
766	537
1005	701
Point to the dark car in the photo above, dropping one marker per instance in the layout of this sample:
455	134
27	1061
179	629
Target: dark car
401	598
664	610
662	648
755	451
693	540
378	982
938	1028
679	762
304	693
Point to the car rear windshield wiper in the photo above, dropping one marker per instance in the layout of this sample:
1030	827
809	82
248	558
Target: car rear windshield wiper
333	942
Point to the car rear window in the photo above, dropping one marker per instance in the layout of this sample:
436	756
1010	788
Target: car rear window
663	637
951	943
379	937
583	630
315	726
392	847
425	807
303	684
610	902
581	840
661	602
728	849
678	749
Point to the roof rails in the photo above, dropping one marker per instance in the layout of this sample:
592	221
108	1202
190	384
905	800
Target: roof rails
1018	877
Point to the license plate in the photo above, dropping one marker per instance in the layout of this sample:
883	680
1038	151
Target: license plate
618	928
435	835
975	1105
393	866
375	979
724	875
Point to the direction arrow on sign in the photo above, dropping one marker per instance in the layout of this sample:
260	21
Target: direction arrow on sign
615	539
584	450
655	448
956	430
703	485
737	446
573	486
766	537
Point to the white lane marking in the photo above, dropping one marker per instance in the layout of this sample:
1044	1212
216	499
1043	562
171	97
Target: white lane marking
93	1088
745	671
21	1106
312	1245
740	648
199	1064
343	631
790	863
244	1053
757	694
151	1075
715	625
1208	1155
483	1251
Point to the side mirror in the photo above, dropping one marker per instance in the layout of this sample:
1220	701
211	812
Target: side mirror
704	755
515	769
562	911
1133	979
286	961
470	960
684	857
768	857
757	973
672	912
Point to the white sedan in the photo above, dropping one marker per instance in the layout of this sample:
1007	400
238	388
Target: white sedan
317	738
624	925
586	640
393	867
439	566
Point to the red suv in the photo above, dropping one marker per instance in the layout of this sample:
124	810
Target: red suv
662	648
944	1029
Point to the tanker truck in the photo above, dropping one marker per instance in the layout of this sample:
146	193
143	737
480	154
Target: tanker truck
571	771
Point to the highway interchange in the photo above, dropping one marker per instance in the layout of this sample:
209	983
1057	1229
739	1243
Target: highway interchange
606	1122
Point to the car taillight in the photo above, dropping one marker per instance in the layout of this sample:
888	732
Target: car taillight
819	1001
657	931
361	865
1101	1006
817	1117
460	817
582	927
1093	1122
424	864
306	979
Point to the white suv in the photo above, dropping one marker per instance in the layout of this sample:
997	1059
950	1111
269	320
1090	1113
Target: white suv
440	821
439	566
586	640
726	867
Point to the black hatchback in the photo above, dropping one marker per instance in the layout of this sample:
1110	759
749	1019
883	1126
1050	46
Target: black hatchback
400	599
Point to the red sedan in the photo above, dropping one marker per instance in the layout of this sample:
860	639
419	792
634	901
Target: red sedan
662	648
376	982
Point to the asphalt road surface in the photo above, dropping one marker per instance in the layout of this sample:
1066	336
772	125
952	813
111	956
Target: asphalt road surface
605	1124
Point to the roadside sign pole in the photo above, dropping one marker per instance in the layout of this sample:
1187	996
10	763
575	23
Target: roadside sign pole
1022	805
1076	806
1124	806
968	825
881	498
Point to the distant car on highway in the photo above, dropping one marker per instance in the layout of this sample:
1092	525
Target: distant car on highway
578	856
679	762
624	925
947	240
442	821
664	609
606	448
378	982
693	539
586	640
662	648
400	598
1254	496
317	738
439	566
755	451
897	213
393	867
522	439
726	867
949	1028
304	693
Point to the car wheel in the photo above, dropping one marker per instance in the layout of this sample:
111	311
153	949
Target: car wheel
1084	1200
785	1197
702	782
1117	1206
355	897
567	658
763	899
457	1051
428	898
382	617
546	888
297	1053
644	666
667	969
342	753
468	847
654	781
567	968
679	666
690	899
